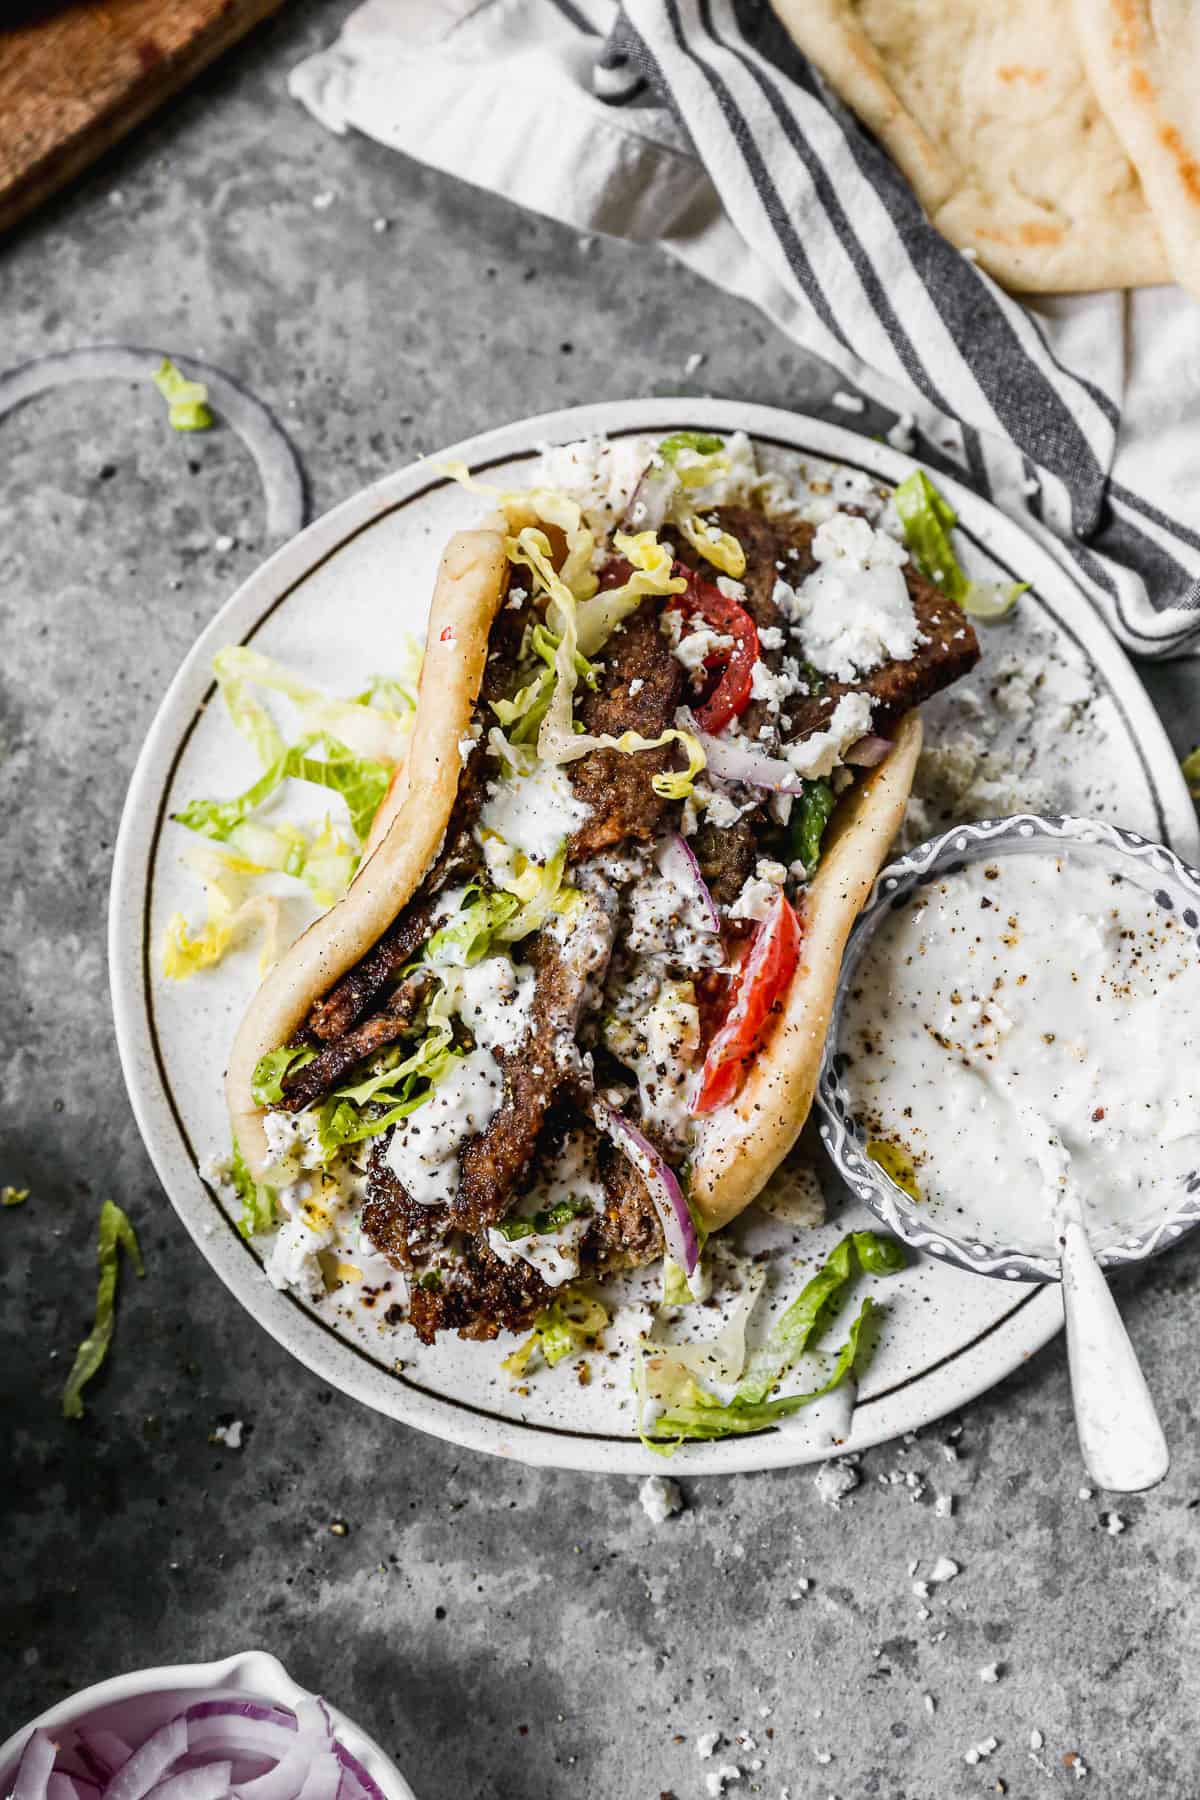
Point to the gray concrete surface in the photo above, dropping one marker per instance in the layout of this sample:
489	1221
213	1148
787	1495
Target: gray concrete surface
508	1635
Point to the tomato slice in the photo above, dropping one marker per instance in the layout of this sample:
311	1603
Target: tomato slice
731	695
758	987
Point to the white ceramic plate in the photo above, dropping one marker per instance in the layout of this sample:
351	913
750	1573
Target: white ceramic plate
1054	720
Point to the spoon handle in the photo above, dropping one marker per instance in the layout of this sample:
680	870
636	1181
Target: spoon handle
1119	1433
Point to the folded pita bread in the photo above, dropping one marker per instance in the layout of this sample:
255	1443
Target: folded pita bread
740	1146
1143	61
986	107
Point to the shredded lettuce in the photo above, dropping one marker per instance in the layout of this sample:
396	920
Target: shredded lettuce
186	400
574	1321
266	1084
230	911
684	1410
810	816
361	784
115	1234
651	569
550	1218
375	725
1191	773
700	443
927	518
471	932
13	1196
718	547
258	1200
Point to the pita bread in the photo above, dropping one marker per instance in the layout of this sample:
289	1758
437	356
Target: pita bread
739	1148
471	583
988	110
1143	60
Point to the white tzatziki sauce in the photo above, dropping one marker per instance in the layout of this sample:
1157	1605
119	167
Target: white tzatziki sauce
1034	1002
423	1152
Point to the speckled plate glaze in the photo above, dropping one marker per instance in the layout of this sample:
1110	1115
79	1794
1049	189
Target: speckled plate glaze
1055	709
1176	887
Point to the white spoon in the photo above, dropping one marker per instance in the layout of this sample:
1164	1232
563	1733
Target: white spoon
1119	1433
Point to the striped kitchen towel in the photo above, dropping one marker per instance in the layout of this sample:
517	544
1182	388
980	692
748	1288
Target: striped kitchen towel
697	125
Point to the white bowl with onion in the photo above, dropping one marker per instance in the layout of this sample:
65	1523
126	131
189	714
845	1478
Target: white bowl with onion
198	1731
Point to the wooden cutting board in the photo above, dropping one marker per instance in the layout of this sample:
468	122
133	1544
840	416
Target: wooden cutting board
75	78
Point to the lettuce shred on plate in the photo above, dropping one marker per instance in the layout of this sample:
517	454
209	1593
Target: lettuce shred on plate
187	401
115	1234
673	1407
349	747
927	519
572	1322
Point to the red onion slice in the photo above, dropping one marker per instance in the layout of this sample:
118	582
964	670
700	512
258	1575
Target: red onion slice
650	499
674	1216
103	1752
70	1787
676	861
868	752
369	1787
208	1782
150	1762
35	1767
734	759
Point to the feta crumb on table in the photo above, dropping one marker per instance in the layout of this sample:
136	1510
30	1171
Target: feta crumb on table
660	1498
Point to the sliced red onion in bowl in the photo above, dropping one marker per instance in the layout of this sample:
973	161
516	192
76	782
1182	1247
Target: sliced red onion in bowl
102	1752
674	1215
868	752
35	1768
676	860
208	1782
207	1751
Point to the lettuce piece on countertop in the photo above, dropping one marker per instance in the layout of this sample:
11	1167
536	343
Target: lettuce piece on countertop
686	1410
258	1200
927	518
1191	773
13	1196
115	1234
187	408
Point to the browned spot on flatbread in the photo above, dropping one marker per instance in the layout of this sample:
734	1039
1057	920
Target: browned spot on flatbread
1018	72
1035	232
1185	163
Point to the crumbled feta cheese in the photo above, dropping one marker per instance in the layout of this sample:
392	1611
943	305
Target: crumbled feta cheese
770	637
1113	1523
835	1480
943	1506
732	590
230	1435
819	753
660	1498
944	1569
716	1783
707	1742
982	1749
636	686
1036	1740
758	893
990	1673
693	362
468	741
694	648
854	609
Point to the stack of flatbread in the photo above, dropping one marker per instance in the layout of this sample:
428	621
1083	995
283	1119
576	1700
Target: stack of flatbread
1057	140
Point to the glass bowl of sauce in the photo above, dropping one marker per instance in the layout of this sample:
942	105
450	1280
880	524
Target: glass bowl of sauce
1019	1005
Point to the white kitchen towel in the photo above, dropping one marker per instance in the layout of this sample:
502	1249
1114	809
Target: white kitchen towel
697	125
